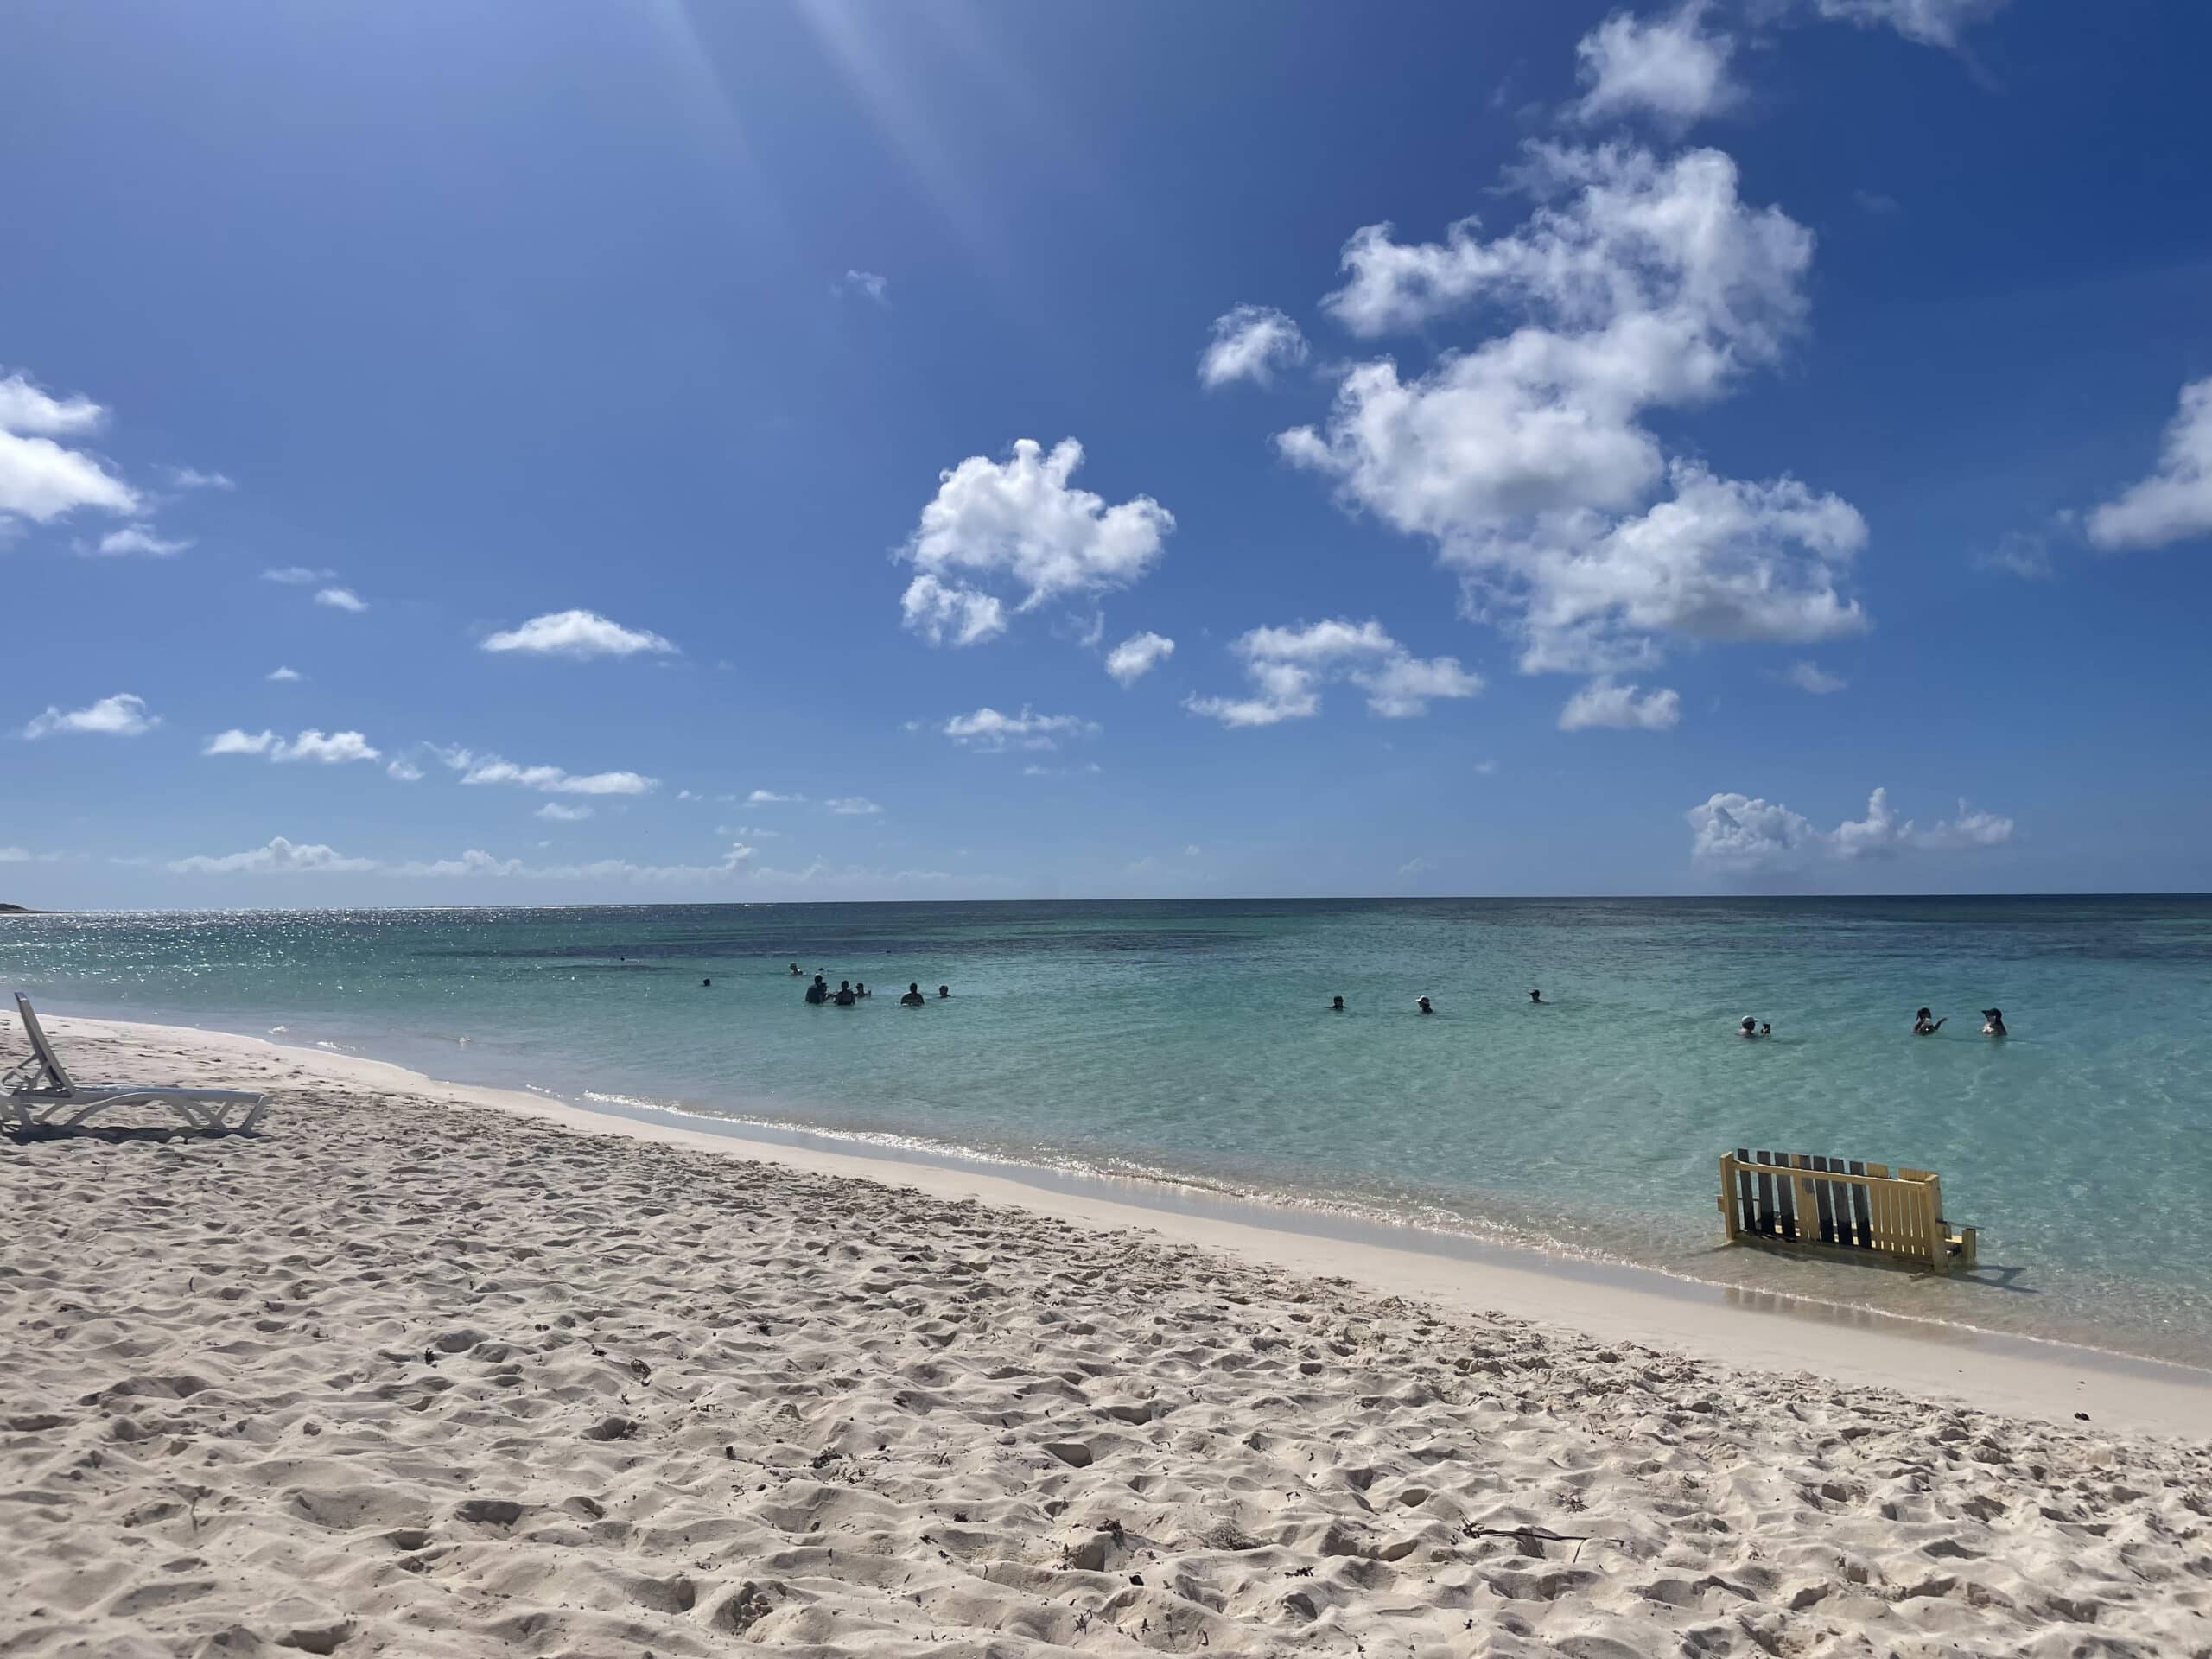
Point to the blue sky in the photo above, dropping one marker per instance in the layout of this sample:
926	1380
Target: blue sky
1570	450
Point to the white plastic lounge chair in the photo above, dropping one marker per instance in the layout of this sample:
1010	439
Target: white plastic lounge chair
41	1095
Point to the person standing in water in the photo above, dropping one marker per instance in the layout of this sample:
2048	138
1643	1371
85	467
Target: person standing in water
844	999
1336	1005
942	992
1750	1027
1536	997
1422	1003
817	992
914	998
1993	1022
1924	1024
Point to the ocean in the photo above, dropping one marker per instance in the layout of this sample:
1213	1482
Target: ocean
1186	1043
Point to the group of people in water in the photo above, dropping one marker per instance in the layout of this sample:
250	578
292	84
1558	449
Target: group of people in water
852	992
1924	1024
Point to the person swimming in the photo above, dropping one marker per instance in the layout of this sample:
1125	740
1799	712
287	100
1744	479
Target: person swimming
704	983
860	988
1750	1027
1421	1003
817	992
795	972
914	998
1924	1024
1537	997
1765	1030
1993	1022
845	997
1336	1005
944	991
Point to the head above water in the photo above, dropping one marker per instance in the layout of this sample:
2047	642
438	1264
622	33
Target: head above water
844	984
1925	1014
914	985
1750	1024
1993	1014
1335	1002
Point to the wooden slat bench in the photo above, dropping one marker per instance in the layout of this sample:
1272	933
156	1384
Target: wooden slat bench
1839	1207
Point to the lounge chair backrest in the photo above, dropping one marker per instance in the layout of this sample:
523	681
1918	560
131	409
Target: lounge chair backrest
44	1050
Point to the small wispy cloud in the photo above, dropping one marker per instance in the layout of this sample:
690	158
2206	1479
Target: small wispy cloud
1811	677
1137	656
191	478
341	598
121	716
770	798
2018	553
1604	702
285	675
555	812
133	541
868	284
296	575
547	780
986	729
854	807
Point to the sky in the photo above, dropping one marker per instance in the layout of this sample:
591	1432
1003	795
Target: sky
569	452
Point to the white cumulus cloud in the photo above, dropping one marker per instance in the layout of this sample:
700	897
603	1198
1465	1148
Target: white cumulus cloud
2175	502
285	675
403	771
986	729
328	749
40	479
1739	832
1020	522
1636	284
27	408
120	715
278	857
1137	656
1287	667
1605	703
1250	342
341	598
1672	67
578	634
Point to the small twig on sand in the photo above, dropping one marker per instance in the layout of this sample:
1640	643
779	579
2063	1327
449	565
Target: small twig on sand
1539	1534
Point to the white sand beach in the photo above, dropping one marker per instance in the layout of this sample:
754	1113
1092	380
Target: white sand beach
422	1369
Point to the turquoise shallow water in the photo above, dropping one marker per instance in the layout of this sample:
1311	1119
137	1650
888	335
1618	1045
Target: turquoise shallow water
1187	1040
